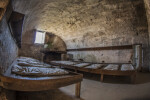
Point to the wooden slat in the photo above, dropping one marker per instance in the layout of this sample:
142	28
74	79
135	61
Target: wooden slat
103	48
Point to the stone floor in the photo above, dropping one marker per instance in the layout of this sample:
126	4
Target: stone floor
113	88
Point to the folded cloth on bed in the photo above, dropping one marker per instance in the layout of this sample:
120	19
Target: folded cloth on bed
27	59
82	64
112	67
94	66
37	71
33	64
65	62
126	67
24	61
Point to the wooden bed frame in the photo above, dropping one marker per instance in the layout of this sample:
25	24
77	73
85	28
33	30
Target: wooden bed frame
41	84
102	71
15	82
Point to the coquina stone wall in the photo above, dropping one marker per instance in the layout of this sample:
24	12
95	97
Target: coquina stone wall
8	47
147	6
89	23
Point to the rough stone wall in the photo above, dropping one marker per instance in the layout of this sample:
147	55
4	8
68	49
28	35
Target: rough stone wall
8	48
108	56
147	6
7	95
89	23
29	49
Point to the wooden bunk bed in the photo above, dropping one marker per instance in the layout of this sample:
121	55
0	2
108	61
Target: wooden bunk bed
26	78
122	69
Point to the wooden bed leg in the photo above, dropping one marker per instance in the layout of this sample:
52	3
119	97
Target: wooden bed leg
76	70
102	77
133	78
78	89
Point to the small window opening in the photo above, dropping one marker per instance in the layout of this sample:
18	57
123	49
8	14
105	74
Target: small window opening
40	37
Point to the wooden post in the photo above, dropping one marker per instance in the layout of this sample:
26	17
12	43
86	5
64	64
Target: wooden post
78	89
76	70
102	77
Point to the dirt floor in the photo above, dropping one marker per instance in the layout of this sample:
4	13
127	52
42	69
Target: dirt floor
113	88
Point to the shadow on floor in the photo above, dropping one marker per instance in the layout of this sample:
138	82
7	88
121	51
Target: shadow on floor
46	95
141	78
145	98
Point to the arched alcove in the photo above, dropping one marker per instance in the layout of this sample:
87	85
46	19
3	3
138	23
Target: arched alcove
55	46
55	42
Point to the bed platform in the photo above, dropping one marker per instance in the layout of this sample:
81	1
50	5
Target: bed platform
125	68
103	69
32	78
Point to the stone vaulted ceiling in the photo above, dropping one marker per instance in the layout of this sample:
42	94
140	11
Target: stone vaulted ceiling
85	23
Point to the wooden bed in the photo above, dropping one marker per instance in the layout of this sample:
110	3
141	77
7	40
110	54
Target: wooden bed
101	70
16	82
133	67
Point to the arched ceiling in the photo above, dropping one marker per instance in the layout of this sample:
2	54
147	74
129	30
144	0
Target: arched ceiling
83	23
58	16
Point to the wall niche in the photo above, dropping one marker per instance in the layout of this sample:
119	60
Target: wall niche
16	25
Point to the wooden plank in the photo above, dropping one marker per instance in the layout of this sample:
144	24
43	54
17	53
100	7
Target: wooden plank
96	71
39	84
118	73
57	64
48	51
102	48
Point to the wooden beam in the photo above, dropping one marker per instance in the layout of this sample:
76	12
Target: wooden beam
103	48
